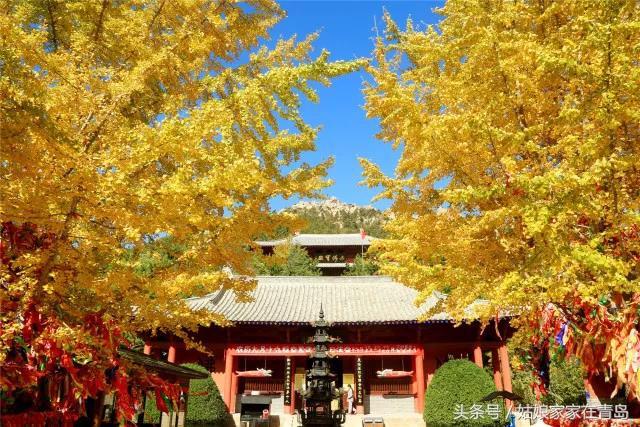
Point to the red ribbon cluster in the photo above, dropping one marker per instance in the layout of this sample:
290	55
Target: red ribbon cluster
92	365
39	419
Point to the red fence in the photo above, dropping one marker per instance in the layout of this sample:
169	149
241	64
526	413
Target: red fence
390	386
270	385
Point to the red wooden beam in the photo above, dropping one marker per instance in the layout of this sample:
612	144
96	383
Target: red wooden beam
279	350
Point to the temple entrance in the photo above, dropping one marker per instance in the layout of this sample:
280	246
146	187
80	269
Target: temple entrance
265	377
389	385
383	376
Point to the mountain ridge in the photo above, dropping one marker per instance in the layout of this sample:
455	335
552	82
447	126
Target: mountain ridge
332	216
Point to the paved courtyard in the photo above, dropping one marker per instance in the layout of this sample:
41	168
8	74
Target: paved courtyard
402	420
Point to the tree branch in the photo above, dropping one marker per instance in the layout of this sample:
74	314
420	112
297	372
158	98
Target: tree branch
52	25
155	16
98	30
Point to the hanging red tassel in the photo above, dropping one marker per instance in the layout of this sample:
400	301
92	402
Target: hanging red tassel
160	403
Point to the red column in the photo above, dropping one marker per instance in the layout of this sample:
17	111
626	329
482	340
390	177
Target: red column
419	376
147	348
477	355
171	356
234	387
505	369
359	386
495	362
292	406
228	372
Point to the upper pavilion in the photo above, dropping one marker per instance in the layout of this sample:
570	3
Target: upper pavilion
333	252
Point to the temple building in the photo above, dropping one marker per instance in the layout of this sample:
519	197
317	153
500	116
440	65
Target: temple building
333	252
387	353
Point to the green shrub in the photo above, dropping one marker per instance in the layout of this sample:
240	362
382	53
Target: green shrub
205	407
522	380
151	411
458	382
361	267
566	383
287	260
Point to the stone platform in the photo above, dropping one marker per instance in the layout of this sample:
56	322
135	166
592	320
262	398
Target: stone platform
394	420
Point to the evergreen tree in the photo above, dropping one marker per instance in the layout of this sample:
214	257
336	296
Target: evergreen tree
362	266
287	260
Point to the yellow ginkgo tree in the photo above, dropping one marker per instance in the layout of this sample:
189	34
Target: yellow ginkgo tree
519	175
123	122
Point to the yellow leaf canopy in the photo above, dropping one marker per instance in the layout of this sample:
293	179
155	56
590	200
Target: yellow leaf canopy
124	122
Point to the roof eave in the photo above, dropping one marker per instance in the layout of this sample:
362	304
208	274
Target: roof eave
160	366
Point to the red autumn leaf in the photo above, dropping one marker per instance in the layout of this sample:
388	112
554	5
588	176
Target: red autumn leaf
125	406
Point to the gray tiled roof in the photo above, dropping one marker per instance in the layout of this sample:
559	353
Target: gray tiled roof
351	239
345	299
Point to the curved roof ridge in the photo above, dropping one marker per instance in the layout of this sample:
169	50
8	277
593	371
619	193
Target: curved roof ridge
321	239
325	279
347	300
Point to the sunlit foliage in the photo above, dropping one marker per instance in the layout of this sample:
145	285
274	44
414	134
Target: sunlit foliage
519	180
125	121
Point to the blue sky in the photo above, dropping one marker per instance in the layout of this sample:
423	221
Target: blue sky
347	30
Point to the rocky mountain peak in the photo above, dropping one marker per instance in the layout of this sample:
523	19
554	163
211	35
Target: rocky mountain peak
330	205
